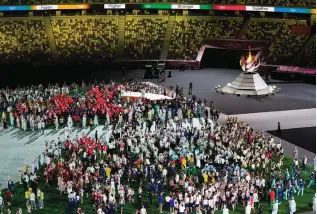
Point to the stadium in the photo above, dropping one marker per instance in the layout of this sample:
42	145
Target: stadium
158	106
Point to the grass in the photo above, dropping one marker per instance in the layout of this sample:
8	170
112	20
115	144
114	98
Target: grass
56	203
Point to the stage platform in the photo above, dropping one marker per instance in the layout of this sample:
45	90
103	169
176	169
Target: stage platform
293	96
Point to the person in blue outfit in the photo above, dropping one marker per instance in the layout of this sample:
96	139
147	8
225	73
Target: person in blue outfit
311	180
279	194
160	202
171	202
10	185
301	186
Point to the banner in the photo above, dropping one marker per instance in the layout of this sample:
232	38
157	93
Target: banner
46	7
155	6
159	7
229	7
174	6
185	7
15	8
291	10
262	9
73	6
114	6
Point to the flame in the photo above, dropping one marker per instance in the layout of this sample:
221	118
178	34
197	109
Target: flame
249	56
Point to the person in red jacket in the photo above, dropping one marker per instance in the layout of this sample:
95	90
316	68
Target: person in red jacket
8	196
272	197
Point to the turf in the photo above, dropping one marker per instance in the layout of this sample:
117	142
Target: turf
55	203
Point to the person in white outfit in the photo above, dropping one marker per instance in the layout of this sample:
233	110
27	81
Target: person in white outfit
225	210
248	209
84	121
292	206
56	121
70	122
275	207
143	211
96	123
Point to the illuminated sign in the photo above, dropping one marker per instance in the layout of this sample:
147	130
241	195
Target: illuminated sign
155	6
260	8
46	7
292	10
185	7
223	7
73	6
14	8
114	6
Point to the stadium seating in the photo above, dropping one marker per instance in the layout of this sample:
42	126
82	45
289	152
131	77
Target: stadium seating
259	29
86	38
98	38
189	34
308	57
144	36
23	40
285	45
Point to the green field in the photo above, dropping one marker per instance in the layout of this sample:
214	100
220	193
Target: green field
56	203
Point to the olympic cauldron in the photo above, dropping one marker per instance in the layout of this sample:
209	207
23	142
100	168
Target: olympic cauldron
249	82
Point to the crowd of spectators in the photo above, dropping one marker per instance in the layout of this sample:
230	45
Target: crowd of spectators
23	40
189	34
144	37
81	38
261	30
290	3
285	45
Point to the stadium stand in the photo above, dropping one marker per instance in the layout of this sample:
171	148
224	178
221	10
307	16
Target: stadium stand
262	29
23	40
144	36
86	37
190	32
285	45
306	59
